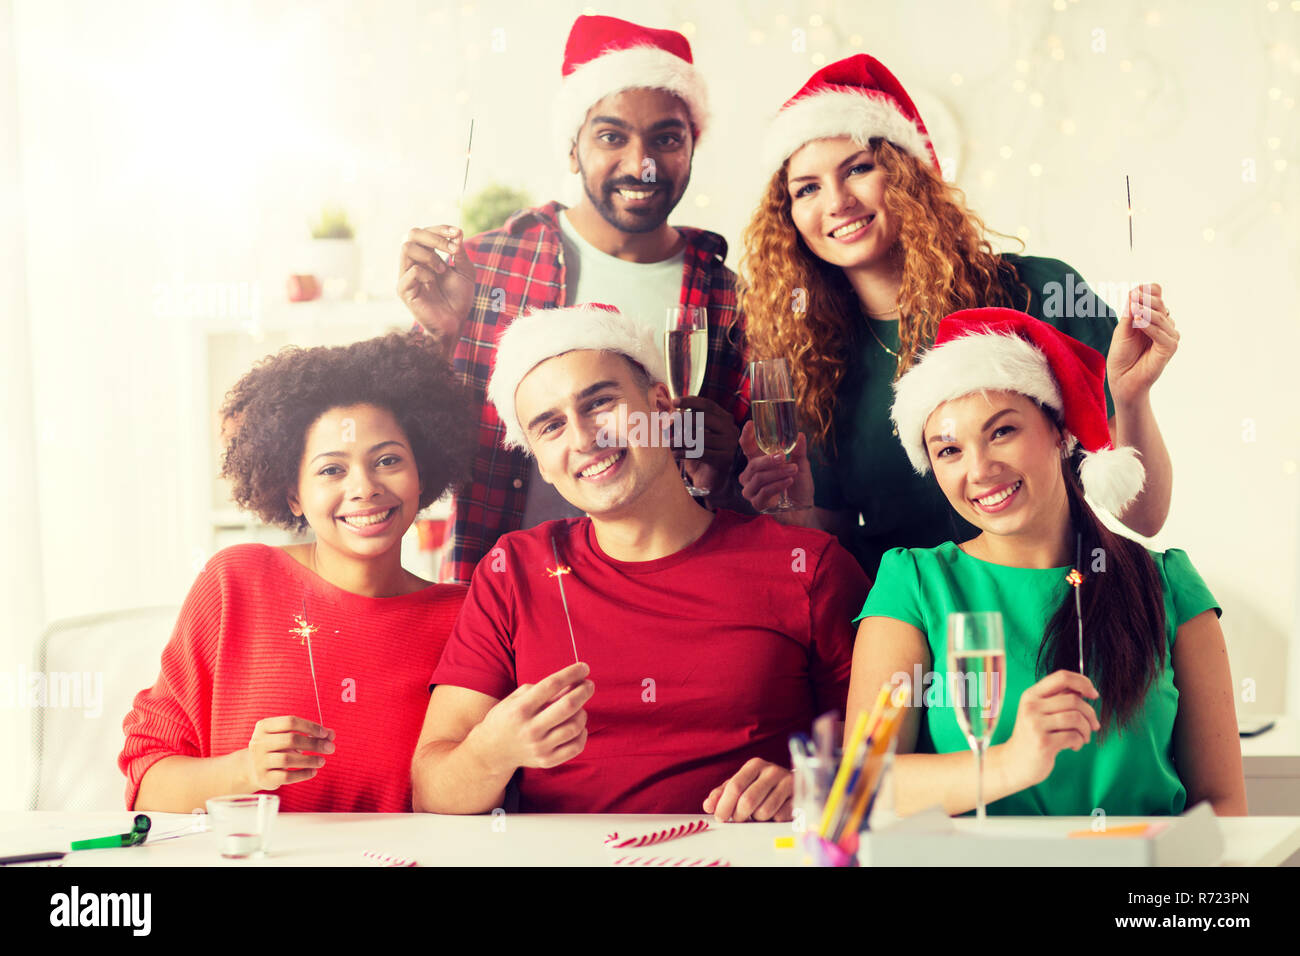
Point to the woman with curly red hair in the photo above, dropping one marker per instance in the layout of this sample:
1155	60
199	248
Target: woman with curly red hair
856	252
351	442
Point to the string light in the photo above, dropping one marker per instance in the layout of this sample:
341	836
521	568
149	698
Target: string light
687	29
1005	152
956	79
815	20
756	37
1207	234
818	59
1035	169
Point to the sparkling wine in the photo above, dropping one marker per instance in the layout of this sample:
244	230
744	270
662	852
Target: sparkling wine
774	425
686	353
979	683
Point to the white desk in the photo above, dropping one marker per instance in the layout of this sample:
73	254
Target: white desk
1271	763
323	839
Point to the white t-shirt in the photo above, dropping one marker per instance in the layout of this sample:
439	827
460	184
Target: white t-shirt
644	291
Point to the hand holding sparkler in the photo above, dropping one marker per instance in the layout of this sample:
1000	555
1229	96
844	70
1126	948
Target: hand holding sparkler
1052	716
439	294
284	750
539	725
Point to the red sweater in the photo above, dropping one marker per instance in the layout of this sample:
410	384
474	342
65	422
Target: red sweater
233	660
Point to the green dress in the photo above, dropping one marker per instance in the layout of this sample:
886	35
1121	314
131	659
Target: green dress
1130	772
868	473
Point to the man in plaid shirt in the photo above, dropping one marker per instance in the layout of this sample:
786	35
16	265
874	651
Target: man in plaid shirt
630	112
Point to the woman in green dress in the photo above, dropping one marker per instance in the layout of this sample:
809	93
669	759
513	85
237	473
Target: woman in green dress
1007	412
857	250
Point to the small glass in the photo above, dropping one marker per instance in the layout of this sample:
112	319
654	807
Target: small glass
243	824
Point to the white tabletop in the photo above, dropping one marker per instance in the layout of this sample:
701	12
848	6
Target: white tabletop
324	839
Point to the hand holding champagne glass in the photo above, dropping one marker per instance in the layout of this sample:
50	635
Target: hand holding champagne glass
686	353
772	407
976	650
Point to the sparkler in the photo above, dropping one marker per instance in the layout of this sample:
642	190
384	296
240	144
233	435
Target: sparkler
460	206
558	572
304	631
1076	578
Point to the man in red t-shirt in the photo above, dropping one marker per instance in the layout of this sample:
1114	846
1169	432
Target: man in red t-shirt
652	657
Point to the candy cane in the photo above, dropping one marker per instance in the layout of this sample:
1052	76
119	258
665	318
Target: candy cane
668	861
659	836
384	859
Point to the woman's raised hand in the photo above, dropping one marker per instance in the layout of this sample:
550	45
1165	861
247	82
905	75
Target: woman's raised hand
1143	343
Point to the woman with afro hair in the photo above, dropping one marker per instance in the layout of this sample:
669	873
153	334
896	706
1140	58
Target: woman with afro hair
351	443
857	250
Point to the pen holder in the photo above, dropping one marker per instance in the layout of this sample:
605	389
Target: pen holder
811	786
822	852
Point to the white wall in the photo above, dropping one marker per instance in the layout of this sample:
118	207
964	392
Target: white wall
168	146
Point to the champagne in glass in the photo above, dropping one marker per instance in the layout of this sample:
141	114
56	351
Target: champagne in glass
686	353
772	407
977	666
774	425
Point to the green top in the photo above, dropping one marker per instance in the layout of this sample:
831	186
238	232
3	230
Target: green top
868	472
1130	772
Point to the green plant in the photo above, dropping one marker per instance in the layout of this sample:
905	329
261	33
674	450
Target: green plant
491	207
333	224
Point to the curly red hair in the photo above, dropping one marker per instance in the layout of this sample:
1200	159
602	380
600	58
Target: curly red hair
947	265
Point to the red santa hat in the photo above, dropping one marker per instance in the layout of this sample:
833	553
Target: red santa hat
606	55
1006	350
533	338
855	97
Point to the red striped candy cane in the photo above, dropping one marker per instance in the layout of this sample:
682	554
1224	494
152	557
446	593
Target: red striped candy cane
659	836
385	859
668	861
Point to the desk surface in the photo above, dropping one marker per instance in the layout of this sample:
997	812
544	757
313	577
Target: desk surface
1275	752
324	839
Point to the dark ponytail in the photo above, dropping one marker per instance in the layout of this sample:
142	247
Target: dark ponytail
1123	613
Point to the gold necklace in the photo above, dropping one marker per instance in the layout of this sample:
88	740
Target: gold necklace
872	315
878	342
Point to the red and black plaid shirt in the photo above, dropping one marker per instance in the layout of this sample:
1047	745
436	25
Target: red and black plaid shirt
520	268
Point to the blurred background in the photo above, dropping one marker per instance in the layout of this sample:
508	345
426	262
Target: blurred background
163	166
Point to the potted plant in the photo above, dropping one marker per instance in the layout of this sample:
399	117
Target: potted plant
333	255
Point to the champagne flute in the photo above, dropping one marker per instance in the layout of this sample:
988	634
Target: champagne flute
977	655
772	406
686	352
